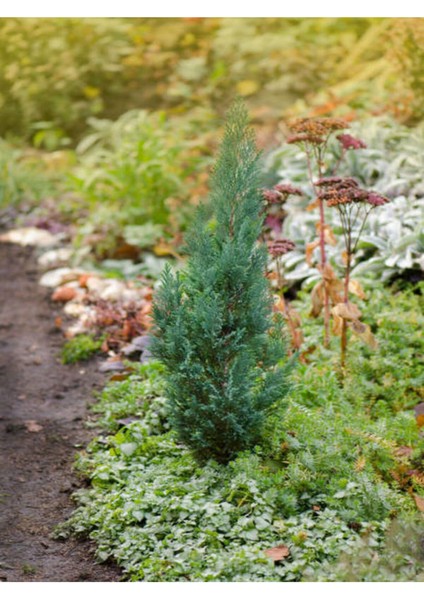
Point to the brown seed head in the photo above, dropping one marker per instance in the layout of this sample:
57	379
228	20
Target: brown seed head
300	138
280	247
337	182
348	142
345	190
318	126
376	199
271	196
287	190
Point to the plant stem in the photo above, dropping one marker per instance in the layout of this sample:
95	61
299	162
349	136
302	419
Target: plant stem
318	160
343	339
323	263
323	259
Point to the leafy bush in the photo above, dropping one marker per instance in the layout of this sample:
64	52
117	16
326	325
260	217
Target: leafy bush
213	320
400	559
389	379
138	171
407	50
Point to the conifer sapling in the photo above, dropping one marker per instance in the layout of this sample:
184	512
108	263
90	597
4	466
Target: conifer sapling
214	331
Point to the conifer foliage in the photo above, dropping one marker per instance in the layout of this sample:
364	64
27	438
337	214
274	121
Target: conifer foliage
224	352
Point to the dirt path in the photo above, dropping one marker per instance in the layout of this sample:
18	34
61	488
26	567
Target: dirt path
36	476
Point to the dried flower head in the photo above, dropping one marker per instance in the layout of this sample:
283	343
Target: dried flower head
349	142
281	246
345	190
314	131
280	193
376	199
300	138
271	196
337	182
337	198
333	124
287	190
317	126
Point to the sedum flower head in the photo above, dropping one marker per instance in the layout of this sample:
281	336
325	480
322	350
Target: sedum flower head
271	196
314	131
349	142
345	190
287	190
280	193
376	199
281	246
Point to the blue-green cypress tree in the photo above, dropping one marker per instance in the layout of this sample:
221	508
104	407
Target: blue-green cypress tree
223	351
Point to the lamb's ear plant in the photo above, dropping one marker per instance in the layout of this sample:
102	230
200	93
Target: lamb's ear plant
224	353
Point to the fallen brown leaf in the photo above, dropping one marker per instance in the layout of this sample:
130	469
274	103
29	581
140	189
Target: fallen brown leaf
364	333
277	553
356	288
346	310
309	250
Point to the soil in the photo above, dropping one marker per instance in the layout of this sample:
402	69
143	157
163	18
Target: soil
43	406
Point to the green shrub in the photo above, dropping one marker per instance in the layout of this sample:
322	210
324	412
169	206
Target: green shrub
213	320
135	176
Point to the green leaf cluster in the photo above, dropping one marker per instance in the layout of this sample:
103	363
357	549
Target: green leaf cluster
59	72
81	347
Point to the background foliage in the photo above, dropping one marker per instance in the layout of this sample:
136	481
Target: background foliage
58	72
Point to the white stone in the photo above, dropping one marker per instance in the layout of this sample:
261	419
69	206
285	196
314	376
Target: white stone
30	236
53	258
59	276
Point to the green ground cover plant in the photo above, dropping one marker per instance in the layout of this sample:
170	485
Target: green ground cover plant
81	347
330	476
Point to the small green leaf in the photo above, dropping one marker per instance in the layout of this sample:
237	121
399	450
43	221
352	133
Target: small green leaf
129	448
